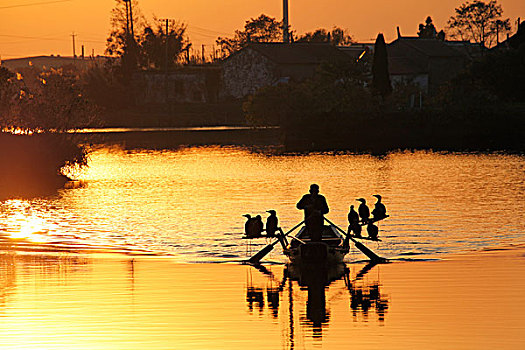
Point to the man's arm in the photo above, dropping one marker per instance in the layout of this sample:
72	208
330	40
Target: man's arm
324	208
302	203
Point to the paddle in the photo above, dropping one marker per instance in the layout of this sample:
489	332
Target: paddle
263	252
364	249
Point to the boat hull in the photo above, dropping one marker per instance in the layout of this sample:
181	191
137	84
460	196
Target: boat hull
316	252
330	250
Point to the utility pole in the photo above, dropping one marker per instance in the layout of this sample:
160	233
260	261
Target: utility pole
73	36
131	20
166	58
286	33
127	18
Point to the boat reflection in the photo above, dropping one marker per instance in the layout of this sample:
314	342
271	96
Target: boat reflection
309	284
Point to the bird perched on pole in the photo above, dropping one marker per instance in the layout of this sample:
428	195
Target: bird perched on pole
363	210
353	222
379	211
248	230
272	223
253	226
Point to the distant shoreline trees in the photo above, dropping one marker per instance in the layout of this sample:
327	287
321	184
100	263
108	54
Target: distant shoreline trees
479	21
144	45
263	29
337	36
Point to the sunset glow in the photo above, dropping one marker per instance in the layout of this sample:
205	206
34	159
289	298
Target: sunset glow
48	27
28	226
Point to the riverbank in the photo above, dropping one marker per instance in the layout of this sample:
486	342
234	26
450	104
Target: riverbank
31	164
64	301
407	130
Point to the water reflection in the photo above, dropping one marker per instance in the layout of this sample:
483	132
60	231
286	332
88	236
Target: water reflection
308	283
14	265
188	203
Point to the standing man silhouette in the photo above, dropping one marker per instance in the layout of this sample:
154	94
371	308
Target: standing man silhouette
314	206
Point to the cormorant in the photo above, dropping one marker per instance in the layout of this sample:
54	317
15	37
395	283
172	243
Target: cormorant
363	210
272	223
353	221
253	226
353	217
258	226
373	231
379	211
248	225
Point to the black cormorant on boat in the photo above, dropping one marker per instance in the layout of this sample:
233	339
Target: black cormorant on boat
363	210
353	222
373	231
379	211
272	223
258	225
253	226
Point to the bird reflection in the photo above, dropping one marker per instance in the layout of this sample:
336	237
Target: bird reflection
364	298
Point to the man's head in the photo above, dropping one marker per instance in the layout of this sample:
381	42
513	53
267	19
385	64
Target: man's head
314	189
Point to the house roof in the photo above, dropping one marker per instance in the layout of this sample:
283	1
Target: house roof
428	47
409	55
299	53
354	52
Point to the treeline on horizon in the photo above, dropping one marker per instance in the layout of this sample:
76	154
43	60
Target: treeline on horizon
350	105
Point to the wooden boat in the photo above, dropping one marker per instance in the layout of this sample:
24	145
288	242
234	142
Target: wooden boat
331	250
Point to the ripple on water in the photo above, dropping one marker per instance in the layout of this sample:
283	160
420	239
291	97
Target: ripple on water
189	203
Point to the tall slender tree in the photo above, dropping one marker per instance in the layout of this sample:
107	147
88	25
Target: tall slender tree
381	77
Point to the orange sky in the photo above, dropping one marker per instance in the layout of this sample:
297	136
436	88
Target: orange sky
46	28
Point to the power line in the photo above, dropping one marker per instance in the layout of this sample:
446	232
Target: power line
34	4
190	26
44	38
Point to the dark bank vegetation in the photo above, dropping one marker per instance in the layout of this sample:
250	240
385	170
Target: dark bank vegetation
344	107
36	111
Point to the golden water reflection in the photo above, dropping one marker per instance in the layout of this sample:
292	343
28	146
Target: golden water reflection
65	301
188	203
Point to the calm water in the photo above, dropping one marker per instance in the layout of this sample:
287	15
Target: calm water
83	302
189	203
185	206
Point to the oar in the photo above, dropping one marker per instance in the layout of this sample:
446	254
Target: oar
263	252
364	249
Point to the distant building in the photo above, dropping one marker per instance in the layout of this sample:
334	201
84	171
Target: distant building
427	62
264	64
187	84
358	50
53	62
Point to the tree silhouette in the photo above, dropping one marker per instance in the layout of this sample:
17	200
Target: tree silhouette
381	77
479	21
337	36
154	43
145	44
262	29
122	40
429	31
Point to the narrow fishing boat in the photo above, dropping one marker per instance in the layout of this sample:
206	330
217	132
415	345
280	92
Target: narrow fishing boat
332	248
